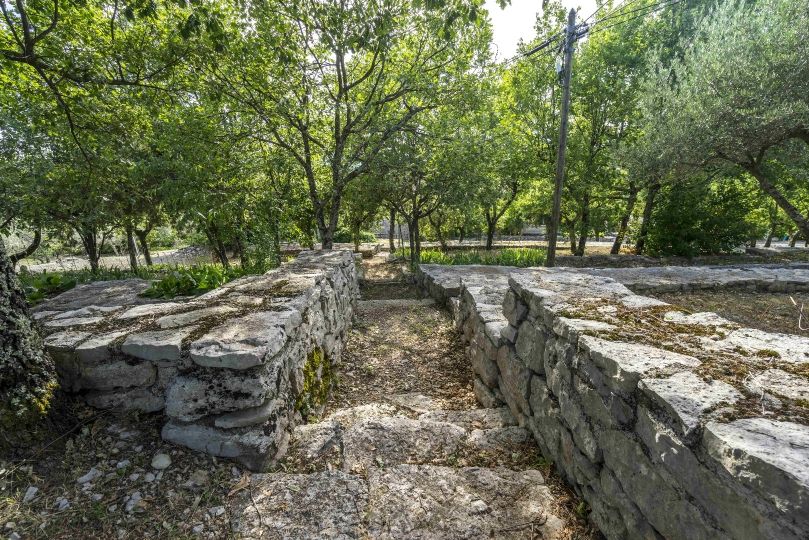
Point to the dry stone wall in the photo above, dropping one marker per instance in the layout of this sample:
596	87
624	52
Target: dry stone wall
668	424
234	369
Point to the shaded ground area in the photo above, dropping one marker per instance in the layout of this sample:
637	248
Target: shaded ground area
90	475
771	312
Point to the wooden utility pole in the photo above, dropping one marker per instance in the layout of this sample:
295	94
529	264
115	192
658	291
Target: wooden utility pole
556	214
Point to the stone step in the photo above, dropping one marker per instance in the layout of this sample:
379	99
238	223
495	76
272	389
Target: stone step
405	501
358	438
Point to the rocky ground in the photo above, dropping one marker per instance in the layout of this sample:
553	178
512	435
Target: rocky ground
401	451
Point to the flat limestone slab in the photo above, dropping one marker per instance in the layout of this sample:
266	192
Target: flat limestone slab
685	396
160	345
245	342
624	363
769	457
330	504
424	501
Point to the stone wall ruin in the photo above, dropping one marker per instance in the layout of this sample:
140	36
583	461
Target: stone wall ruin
234	369
643	408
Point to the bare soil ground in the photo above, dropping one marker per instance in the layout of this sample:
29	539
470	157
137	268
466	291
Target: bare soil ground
772	312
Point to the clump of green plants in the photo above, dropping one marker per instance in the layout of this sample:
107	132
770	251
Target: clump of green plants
38	287
519	257
192	280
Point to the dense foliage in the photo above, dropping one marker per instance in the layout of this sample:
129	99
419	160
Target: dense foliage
250	124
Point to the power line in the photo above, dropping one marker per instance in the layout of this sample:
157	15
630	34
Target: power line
655	8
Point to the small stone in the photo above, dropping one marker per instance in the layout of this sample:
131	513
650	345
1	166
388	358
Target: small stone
10	525
161	461
123	464
199	478
133	501
478	507
91	475
14	536
62	504
134	477
197	529
216	511
30	493
148	477
97	497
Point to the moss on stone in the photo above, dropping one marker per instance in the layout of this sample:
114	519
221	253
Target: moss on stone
318	376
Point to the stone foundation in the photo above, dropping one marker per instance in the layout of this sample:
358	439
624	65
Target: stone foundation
234	369
668	424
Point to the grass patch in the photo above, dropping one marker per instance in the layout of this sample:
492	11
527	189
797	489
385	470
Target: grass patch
519	257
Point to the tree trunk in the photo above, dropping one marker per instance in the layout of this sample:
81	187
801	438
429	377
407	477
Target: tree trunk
144	245
571	231
89	241
392	230
770	235
417	239
27	252
218	245
131	248
437	223
770	189
27	374
491	226
630	207
647	216
585	226
411	239
793	239
461	234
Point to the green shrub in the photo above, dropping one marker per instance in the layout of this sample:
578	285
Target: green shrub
344	236
700	218
519	257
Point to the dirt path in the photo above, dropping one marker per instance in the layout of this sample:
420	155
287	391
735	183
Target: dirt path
404	440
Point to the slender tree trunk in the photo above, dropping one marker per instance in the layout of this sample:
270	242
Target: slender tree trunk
392	230
770	235
572	235
144	245
793	239
218	245
461	234
491	226
411	239
770	189
417	238
27	374
28	251
651	194
89	241
131	248
437	224
630	207
585	226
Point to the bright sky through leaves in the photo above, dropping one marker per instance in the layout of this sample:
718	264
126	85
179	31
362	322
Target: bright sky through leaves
516	22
